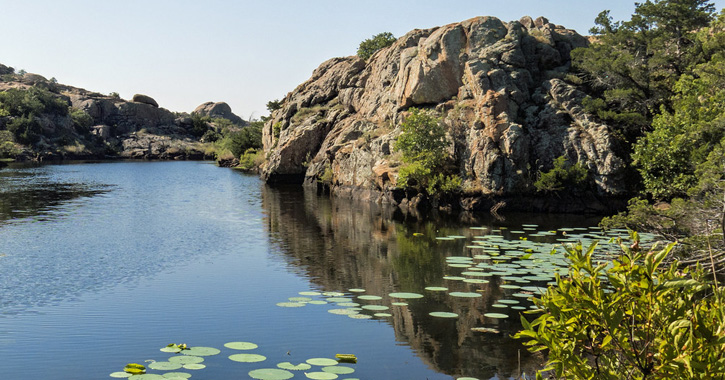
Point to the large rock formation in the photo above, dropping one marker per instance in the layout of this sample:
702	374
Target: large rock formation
499	87
219	110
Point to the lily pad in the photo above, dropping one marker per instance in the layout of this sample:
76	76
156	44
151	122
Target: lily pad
323	362
292	367
338	369
455	278
465	294
177	375
318	302
436	289
405	295
375	307
370	298
194	366
382	315
309	293
201	351
247	358
270	374
300	299
342	311
186	359
321	375
120	375
467	378
359	316
333	294
443	314
495	315
240	345
171	348
290	304
399	304
164	366
149	376
355	290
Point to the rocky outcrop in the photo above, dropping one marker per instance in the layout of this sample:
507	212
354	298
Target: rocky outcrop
145	99
499	88
219	110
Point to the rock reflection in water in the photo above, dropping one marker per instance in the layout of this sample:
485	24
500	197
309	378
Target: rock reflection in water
341	244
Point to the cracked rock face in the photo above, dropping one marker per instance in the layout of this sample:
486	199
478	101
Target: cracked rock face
498	86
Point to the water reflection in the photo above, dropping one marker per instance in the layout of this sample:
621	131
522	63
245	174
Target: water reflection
340	244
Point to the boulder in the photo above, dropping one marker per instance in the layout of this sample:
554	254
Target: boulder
219	110
145	99
497	86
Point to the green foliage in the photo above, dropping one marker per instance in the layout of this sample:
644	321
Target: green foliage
250	160
34	101
8	149
115	95
327	175
274	105
277	129
239	141
82	121
423	145
26	129
423	139
369	46
633	319
632	66
199	124
562	176
682	141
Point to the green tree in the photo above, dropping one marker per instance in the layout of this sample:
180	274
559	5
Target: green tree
423	144
632	66
562	176
369	46
683	139
274	105
633	318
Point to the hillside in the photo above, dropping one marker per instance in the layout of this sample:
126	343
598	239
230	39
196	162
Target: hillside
501	92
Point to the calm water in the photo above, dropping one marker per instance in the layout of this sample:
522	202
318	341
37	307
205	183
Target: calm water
103	264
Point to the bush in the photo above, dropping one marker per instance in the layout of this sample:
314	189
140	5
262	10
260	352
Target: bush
82	121
423	145
199	124
250	160
369	46
238	142
631	319
562	176
26	129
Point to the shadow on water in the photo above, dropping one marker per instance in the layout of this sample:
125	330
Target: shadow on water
341	244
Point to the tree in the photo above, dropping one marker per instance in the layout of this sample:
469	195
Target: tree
274	105
369	46
423	144
633	65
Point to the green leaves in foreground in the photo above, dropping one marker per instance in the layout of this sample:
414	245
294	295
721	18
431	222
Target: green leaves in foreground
635	320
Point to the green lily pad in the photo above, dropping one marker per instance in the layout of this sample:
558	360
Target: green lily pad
399	304
475	281
164	366
309	293
186	359
120	375
348	304
172	349
465	294
370	298
240	345
194	366
333	294
177	375
495	315
338	369
148	376
247	358
467	378
290	304
359	316
454	278
375	307
321	375
342	311
291	367
270	374
300	299
443	314
323	362
338	299
436	289
382	315
405	295
318	302
356	290
201	351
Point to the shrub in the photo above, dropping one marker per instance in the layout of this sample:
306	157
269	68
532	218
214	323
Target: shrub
82	121
199	124
634	319
26	129
250	160
562	176
369	46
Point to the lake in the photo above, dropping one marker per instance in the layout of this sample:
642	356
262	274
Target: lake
104	264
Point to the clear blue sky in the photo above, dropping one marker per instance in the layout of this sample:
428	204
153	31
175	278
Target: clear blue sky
183	53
